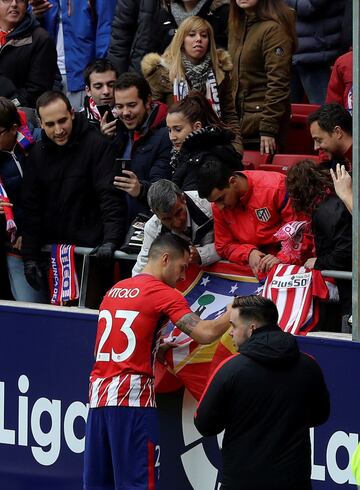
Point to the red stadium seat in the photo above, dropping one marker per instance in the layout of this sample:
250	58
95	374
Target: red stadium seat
248	165
299	138
255	159
281	163
289	160
298	110
274	168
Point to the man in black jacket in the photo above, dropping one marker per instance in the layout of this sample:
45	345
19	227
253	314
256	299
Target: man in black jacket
27	55
266	399
144	26
133	34
173	12
68	194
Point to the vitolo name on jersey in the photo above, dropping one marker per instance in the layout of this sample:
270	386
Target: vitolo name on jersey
40	426
291	281
123	293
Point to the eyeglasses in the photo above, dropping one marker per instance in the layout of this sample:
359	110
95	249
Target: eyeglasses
7	2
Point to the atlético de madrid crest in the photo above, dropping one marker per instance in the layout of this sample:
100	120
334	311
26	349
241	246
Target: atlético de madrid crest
263	214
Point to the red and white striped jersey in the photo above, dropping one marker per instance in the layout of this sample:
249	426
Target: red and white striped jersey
293	289
130	318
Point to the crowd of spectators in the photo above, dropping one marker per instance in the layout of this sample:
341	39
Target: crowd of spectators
111	109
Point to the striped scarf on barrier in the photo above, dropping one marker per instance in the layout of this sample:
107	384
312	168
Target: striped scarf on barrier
64	284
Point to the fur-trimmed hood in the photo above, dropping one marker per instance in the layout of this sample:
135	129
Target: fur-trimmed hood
225	61
152	61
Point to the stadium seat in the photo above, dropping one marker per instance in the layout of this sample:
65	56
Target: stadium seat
301	111
248	165
299	138
281	163
289	160
274	168
255	159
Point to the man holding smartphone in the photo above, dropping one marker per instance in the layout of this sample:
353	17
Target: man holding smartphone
100	77
142	138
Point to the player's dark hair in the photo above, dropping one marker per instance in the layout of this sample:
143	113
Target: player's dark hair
100	65
257	308
49	97
132	79
212	174
8	113
168	242
328	116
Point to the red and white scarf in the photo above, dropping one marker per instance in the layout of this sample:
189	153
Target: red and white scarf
291	236
9	215
24	137
181	90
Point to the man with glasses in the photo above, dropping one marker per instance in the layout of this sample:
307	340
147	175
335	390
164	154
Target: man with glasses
27	55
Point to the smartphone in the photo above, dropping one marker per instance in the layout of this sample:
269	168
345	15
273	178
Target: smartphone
120	165
106	108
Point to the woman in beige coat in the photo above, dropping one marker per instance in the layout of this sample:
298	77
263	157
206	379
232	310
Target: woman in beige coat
262	40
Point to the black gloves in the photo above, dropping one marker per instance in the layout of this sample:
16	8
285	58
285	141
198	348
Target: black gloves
105	253
33	274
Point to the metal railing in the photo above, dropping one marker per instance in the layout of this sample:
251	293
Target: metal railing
123	256
119	255
83	286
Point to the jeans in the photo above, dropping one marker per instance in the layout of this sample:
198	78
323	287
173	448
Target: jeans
311	80
20	288
76	98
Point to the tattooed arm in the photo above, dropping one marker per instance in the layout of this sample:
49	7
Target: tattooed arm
204	331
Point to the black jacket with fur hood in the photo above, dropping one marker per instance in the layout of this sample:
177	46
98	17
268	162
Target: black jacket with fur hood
132	34
198	146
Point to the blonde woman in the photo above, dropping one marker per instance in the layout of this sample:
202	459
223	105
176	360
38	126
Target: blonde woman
262	39
192	62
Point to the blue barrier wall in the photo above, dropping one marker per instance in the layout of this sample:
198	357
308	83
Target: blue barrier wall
45	359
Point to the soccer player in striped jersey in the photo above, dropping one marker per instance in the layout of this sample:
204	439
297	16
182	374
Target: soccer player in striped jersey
122	449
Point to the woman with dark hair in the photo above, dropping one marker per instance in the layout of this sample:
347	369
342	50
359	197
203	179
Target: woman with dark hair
311	190
262	40
192	62
195	129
